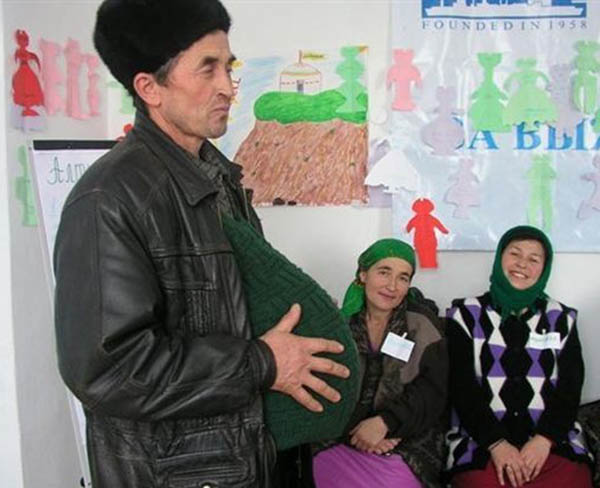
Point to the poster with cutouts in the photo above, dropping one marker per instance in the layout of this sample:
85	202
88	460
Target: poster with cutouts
496	107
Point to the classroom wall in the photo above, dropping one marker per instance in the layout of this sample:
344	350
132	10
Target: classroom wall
47	441
11	471
39	448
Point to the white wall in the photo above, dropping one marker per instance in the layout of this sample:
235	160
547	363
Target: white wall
11	470
46	439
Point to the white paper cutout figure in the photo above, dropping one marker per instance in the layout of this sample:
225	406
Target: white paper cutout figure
395	172
587	207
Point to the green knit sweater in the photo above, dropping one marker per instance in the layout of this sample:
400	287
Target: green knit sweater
271	285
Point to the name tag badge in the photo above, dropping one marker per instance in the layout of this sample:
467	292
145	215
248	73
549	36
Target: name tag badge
397	347
553	341
550	340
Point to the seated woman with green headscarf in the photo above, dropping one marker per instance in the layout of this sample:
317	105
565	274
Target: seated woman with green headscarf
394	438
516	373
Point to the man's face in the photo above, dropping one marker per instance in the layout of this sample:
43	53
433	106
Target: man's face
195	99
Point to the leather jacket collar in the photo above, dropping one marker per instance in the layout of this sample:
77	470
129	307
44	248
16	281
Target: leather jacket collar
193	183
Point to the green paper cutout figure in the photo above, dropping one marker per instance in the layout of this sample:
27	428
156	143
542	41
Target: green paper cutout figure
24	191
487	110
584	84
127	106
350	70
540	177
530	103
596	121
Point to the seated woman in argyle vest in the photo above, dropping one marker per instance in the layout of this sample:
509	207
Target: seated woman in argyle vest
516	374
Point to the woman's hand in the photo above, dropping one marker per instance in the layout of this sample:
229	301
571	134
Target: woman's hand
534	453
368	433
507	458
386	445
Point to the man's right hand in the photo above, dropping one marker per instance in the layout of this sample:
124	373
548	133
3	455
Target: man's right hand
296	362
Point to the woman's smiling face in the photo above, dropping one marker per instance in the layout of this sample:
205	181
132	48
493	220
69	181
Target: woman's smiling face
523	262
386	283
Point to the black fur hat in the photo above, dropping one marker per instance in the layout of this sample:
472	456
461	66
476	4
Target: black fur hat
139	36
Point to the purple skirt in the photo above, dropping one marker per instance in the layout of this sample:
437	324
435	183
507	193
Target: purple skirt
343	466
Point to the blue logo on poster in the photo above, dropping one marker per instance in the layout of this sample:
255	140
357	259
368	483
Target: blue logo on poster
503	9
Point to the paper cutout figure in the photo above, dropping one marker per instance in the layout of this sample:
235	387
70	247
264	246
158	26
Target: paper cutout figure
127	107
74	61
27	91
596	121
403	74
587	207
394	172
93	95
350	70
24	191
465	192
560	88
52	77
378	148
424	225
444	133
584	86
529	104
126	129
540	206
487	110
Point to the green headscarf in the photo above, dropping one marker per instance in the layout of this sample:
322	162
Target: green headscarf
354	299
506	296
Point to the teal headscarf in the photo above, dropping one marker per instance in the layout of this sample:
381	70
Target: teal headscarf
504	295
354	299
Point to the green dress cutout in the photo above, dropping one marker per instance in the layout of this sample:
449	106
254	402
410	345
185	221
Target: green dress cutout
529	104
487	110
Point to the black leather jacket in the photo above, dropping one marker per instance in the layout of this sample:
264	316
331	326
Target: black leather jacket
151	325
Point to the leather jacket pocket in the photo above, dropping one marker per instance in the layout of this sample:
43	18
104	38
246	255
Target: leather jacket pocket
190	292
220	475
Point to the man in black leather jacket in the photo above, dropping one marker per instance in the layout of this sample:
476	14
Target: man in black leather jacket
152	330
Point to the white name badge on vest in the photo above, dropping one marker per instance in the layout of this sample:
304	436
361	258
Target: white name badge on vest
551	340
397	347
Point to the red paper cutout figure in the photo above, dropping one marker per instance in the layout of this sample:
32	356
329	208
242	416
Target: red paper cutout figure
27	91
93	95
403	74
424	224
52	77
74	62
126	129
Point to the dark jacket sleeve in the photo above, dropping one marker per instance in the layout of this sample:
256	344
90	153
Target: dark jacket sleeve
562	402
423	399
114	351
466	395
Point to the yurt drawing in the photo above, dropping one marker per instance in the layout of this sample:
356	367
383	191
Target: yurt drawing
300	77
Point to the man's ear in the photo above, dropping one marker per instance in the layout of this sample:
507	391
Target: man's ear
147	88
